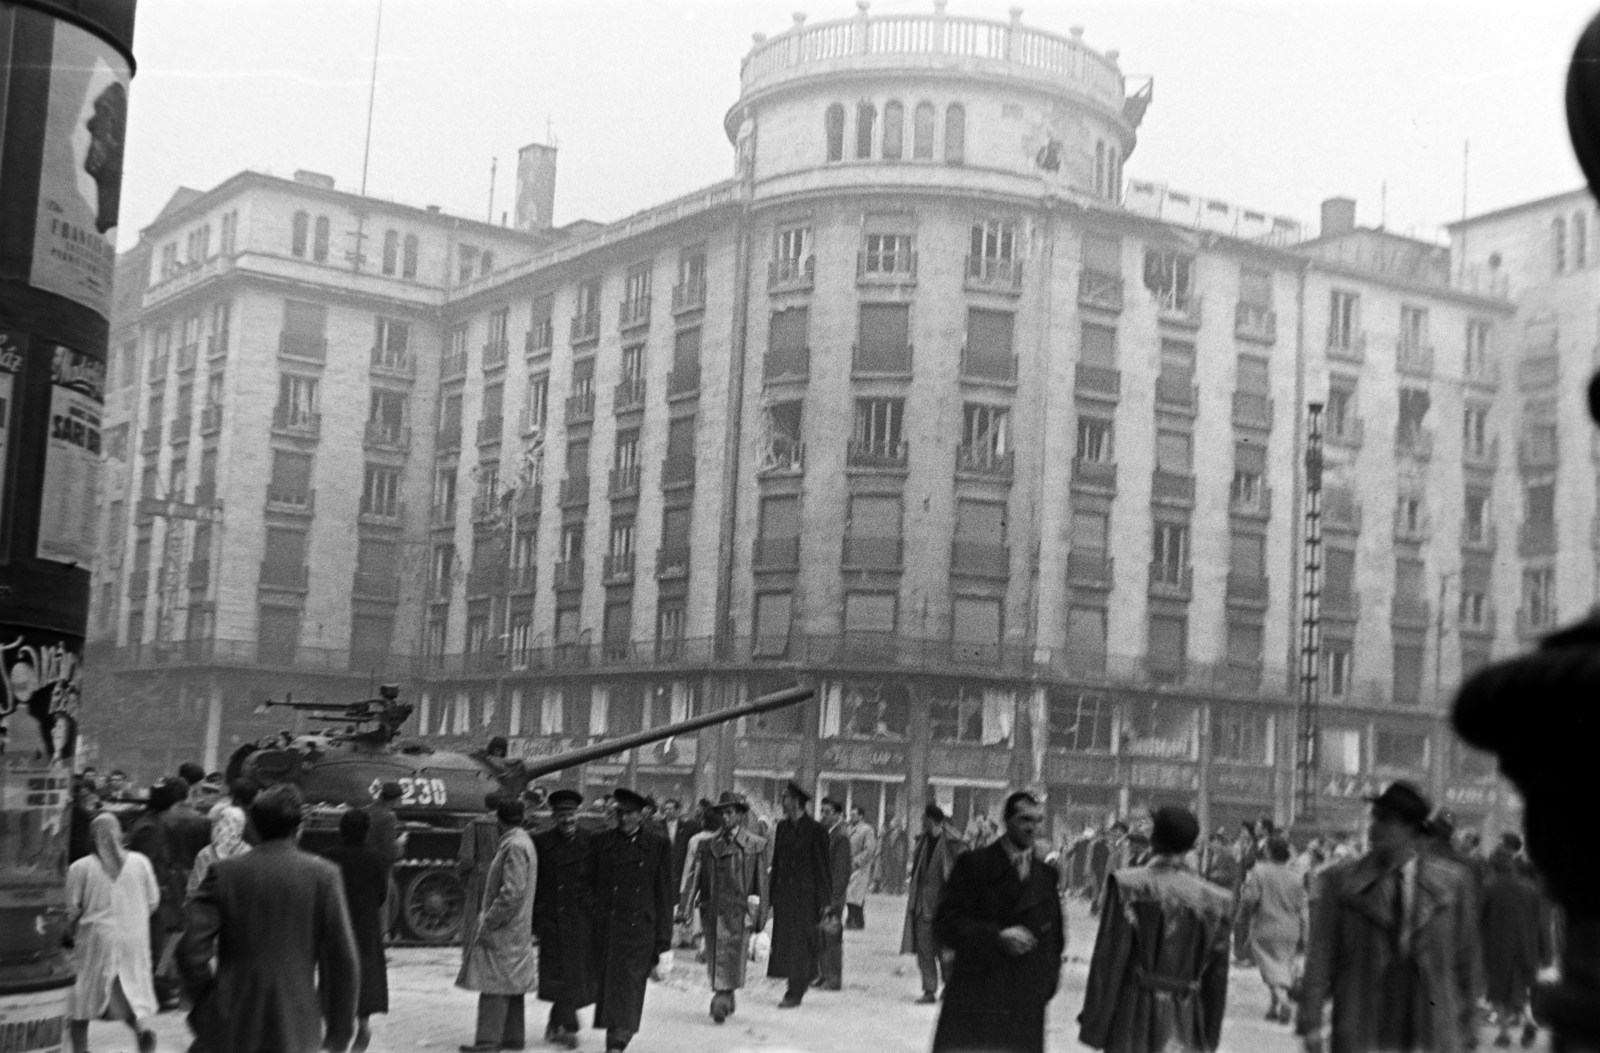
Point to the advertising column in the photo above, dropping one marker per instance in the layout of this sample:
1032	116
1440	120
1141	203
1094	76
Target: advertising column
64	78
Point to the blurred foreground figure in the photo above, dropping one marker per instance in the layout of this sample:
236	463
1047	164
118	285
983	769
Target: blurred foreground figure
1515	944
1001	916
1158	980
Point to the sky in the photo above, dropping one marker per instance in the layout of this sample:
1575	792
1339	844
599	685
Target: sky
1273	105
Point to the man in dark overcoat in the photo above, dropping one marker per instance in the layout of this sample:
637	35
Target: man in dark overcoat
1158	978
1515	944
1394	942
631	888
801	890
937	849
561	912
1001	916
830	954
274	922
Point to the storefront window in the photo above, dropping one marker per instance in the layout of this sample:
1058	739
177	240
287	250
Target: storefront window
1156	729
1241	736
973	715
865	710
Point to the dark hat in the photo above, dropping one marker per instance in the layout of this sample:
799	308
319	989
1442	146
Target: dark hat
729	799
560	799
650	803
829	801
1511	841
794	790
933	812
1405	802
1173	829
628	800
391	791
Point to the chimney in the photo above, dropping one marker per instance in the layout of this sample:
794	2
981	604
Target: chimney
1338	217
316	179
536	187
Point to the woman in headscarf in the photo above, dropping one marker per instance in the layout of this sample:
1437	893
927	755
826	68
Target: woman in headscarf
111	895
366	886
227	841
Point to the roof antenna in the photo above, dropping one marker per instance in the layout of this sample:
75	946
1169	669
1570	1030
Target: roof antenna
372	94
494	163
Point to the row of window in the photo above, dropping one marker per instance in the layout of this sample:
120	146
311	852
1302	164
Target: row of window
1570	254
888	143
197	248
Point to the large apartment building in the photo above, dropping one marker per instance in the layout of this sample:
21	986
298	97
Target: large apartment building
928	405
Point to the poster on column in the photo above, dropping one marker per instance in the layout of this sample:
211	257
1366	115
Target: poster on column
80	184
72	458
13	352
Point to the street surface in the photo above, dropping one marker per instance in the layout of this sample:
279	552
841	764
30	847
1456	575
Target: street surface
875	1012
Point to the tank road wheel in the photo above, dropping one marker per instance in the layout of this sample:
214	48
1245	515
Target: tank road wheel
432	907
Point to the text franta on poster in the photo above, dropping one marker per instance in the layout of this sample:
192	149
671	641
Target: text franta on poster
72	458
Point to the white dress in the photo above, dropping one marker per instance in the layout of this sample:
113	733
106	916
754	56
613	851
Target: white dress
113	938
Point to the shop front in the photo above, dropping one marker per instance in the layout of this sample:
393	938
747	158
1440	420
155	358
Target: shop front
763	766
1082	790
1240	794
866	775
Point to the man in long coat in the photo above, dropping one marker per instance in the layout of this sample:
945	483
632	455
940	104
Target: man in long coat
892	854
937	849
274	922
1394	942
1158	979
830	957
479	841
561	911
499	963
731	894
1001	916
863	855
1515	944
631	888
801	891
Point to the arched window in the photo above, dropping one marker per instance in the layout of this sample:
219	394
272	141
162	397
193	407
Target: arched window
391	251
319	245
302	224
955	133
408	261
1100	169
835	130
922	133
1580	241
1113	173
866	122
894	120
1558	243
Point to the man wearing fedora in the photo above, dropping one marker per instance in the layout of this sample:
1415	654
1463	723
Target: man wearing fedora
731	894
630	885
801	889
561	911
1393	942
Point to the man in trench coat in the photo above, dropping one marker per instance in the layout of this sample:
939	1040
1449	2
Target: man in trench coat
1394	943
801	890
830	959
499	962
1158	978
274	922
1002	917
937	849
631	888
731	893
863	856
561	910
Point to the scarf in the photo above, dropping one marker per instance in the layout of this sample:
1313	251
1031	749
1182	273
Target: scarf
227	833
106	833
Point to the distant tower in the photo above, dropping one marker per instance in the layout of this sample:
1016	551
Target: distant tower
536	187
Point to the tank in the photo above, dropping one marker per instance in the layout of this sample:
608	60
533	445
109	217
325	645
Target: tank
441	791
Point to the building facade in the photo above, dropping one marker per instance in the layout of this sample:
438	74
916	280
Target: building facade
929	406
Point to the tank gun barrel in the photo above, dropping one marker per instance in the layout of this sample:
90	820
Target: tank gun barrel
611	747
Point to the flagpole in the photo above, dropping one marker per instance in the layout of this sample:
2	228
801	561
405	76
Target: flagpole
372	94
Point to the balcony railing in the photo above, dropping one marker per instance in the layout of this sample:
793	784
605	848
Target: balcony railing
791	275
633	314
1412	359
618	568
376	586
993	368
889	268
298	423
1171	581
1177	392
1094	475
624	482
1101	292
1256	322
1252	410
1098	381
302	500
585	327
782	456
1248	589
384	513
385	436
491	430
494	354
774	553
178	430
793	364
672	561
1089	569
994	274
1348	346
1177	307
1252	506
453	365
881	362
574	491
293	577
1172	487
984	460
569	574
889	454
689	296
683	382
678	470
1414	442
872	553
300	345
217	345
628	395
1536	538
980	559
580	407
393	363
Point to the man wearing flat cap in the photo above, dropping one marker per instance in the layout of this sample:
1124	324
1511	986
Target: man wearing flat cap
1158	978
561	912
730	892
1393	942
937	849
630	876
801	890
